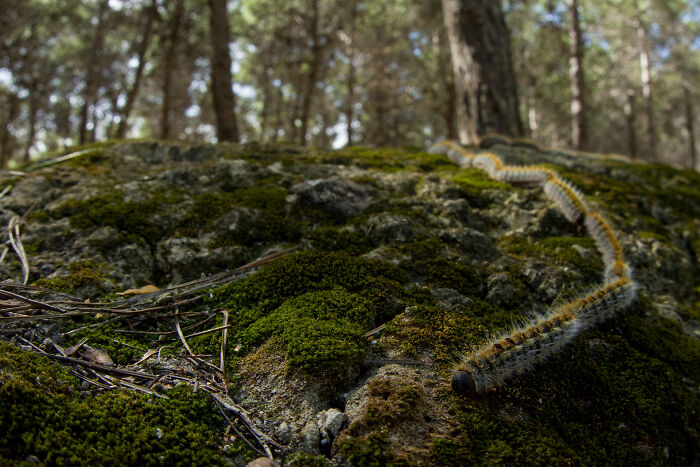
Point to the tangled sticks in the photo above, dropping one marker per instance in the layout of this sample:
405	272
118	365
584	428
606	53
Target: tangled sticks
517	350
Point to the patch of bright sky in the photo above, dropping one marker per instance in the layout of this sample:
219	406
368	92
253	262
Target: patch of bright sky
6	79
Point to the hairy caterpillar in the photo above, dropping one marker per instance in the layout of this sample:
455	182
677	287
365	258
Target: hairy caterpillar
517	350
568	198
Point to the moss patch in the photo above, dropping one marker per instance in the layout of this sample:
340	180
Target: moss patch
345	295
82	275
321	331
42	415
559	250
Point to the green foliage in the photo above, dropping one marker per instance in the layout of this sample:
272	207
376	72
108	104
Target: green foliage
43	415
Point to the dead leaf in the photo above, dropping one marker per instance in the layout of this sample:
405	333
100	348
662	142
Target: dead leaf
97	355
143	290
238	347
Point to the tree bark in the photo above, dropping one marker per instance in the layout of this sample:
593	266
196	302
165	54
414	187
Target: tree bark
483	69
579	132
312	78
532	121
92	70
222	87
170	63
647	86
350	103
690	126
449	113
11	114
151	13
631	116
31	133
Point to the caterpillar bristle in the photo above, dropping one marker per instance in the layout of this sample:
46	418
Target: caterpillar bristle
515	351
525	175
568	198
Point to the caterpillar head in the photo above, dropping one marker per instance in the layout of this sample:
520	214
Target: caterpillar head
463	383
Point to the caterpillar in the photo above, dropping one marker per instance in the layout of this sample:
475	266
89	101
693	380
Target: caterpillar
518	349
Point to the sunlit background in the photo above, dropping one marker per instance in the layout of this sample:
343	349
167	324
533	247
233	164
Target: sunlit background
367	72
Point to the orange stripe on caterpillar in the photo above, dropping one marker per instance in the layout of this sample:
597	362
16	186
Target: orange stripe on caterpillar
489	162
568	198
604	237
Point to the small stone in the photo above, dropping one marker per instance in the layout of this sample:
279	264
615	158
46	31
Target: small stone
451	299
310	436
283	433
332	421
342	198
501	291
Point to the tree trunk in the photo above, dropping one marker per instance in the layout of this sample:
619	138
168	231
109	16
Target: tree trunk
483	69
170	63
449	113
278	115
647	87
13	109
222	88
689	125
579	133
532	123
631	116
151	13
92	70
315	66
350	103
31	133
267	98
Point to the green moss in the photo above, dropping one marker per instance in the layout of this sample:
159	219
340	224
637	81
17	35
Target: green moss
619	394
304	459
371	450
474	182
558	250
389	159
323	332
83	274
42	415
329	238
391	404
345	297
448	452
300	273
142	218
445	334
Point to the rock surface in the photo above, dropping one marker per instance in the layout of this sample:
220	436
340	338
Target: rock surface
436	258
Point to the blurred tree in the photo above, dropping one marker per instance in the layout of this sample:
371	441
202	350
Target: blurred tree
481	58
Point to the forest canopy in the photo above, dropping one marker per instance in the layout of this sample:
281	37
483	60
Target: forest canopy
612	76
